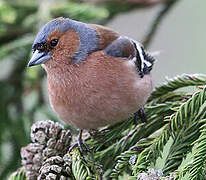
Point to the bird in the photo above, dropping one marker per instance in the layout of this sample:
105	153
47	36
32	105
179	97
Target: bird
95	76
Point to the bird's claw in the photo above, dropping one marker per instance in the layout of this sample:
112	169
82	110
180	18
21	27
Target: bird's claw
140	114
80	143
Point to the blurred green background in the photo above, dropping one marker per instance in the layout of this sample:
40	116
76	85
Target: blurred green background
180	39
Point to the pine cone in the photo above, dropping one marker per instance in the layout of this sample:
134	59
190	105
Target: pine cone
49	141
56	167
31	159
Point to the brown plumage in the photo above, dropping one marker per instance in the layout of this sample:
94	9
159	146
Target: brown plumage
98	92
93	73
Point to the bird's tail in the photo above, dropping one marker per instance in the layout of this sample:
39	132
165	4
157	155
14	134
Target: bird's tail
148	62
143	60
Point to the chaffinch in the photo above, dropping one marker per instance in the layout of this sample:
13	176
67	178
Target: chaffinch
95	76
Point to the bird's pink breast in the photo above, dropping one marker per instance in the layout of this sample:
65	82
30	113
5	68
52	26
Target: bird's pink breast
98	92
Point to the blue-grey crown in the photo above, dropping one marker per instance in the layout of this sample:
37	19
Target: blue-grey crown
87	35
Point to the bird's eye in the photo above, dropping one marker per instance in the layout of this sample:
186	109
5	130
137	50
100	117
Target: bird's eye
53	42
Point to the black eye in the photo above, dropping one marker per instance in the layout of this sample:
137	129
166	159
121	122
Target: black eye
53	42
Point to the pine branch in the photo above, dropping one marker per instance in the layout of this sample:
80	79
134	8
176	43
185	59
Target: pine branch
177	82
155	114
18	175
129	157
155	122
151	153
145	158
108	136
181	147
185	129
85	169
188	110
196	167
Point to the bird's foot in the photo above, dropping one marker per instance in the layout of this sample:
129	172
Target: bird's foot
140	114
80	144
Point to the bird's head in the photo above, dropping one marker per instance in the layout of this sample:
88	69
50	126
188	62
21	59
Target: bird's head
63	39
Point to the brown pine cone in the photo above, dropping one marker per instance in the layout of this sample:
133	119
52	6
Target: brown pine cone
49	140
31	159
55	168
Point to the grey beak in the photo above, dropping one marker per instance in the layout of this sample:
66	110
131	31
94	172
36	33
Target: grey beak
38	58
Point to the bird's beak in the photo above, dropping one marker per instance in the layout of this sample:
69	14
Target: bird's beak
38	58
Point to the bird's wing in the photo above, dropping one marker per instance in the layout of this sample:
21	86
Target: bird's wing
114	44
125	48
119	46
105	35
128	48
